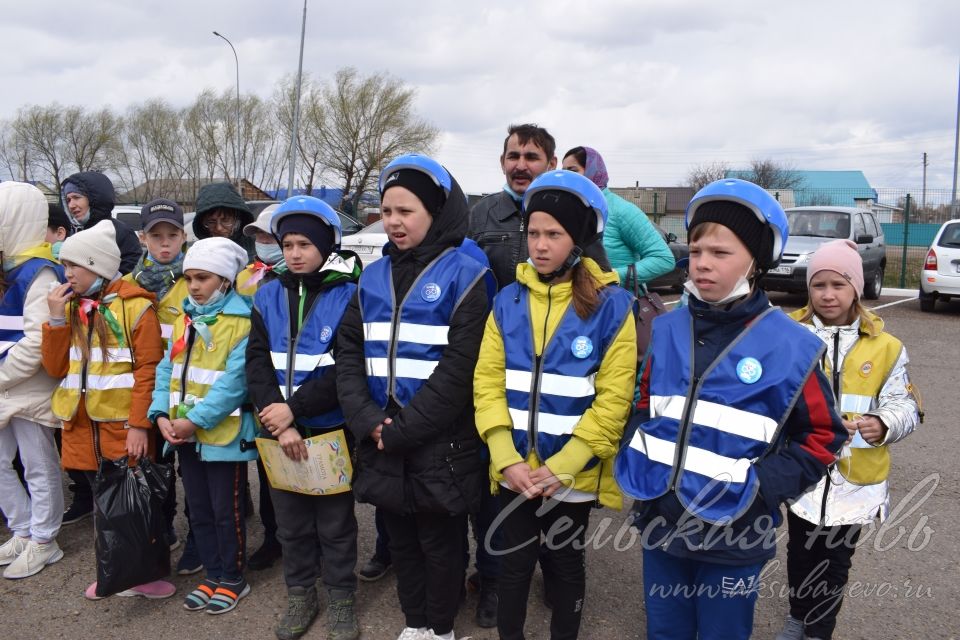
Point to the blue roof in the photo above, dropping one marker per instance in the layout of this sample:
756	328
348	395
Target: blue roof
831	188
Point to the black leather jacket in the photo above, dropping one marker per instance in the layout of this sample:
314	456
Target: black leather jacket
496	224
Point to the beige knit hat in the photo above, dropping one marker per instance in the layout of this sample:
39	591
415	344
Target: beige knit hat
94	249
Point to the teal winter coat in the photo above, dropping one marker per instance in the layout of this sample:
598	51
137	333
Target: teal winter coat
630	238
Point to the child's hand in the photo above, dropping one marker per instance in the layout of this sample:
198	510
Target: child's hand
183	428
518	479
137	443
872	429
544	478
277	418
851	426
293	445
57	300
376	433
166	430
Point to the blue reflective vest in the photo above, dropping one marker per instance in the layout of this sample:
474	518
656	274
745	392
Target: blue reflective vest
704	435
308	356
19	281
547	395
403	343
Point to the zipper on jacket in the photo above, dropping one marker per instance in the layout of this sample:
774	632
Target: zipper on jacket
521	241
684	428
835	369
535	380
85	363
293	345
186	364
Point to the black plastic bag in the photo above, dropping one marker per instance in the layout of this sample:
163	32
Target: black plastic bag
131	546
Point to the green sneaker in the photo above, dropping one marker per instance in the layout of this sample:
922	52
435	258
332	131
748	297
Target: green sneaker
302	608
341	618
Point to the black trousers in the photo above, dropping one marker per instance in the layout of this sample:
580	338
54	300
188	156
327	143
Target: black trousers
428	556
312	528
214	491
818	566
267	514
564	525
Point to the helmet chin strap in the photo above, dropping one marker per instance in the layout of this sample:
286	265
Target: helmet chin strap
568	264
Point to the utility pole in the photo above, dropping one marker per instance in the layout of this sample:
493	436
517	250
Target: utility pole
923	194
296	109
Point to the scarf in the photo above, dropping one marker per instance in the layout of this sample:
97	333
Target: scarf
155	277
89	306
261	268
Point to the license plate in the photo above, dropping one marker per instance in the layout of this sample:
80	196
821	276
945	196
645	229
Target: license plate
782	270
361	249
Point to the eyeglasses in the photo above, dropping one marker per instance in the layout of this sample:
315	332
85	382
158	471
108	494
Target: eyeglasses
226	221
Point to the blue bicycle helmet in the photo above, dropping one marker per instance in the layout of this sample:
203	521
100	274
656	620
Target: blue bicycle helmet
573	183
417	162
764	206
309	206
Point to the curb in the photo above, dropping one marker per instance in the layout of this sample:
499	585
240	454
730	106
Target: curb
899	293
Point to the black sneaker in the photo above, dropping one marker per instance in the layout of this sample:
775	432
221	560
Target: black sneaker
341	617
264	557
78	511
190	561
373	569
302	609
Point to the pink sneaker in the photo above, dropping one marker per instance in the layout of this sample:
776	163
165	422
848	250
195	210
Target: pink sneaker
156	590
91	592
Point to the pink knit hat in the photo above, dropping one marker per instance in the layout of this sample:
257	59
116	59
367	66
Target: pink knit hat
840	256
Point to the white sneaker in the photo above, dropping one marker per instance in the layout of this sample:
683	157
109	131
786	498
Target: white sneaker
11	549
33	559
430	635
413	633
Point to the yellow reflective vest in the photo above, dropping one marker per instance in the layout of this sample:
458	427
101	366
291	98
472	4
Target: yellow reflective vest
107	382
169	308
866	368
196	368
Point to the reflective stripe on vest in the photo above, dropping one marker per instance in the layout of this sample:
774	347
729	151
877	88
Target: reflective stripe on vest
19	281
106	384
195	371
705	451
549	396
403	343
309	355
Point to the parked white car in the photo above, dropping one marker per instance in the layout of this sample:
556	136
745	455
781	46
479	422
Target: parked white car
367	243
940	278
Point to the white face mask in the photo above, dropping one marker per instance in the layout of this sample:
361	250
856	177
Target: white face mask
215	297
740	290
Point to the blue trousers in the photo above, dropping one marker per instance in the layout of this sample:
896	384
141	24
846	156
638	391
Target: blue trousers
695	600
214	492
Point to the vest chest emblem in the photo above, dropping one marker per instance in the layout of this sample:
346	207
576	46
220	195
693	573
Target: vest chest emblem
749	370
581	347
866	368
431	292
326	333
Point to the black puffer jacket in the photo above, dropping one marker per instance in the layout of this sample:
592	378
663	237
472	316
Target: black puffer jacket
223	195
496	224
99	191
431	461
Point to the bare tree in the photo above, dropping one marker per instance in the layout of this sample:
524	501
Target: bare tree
151	150
15	158
42	130
368	121
703	174
264	149
89	138
770	174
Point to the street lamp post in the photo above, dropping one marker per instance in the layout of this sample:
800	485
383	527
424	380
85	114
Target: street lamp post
237	61
296	107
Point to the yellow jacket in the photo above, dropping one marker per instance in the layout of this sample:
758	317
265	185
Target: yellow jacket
169	308
598	432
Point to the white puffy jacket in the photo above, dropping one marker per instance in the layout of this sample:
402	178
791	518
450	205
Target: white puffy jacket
25	388
834	501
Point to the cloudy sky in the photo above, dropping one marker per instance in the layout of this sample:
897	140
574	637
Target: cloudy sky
657	86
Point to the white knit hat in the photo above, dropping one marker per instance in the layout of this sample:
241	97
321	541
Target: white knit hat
221	256
94	249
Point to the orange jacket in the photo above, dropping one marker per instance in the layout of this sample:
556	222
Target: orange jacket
147	345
